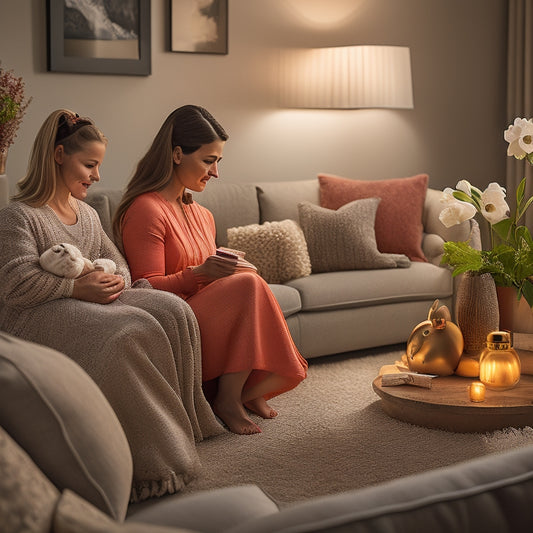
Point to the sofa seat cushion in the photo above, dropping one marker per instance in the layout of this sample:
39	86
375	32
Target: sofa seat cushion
360	288
59	416
288	298
212	511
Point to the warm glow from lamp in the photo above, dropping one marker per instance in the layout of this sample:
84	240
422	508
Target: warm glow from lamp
347	77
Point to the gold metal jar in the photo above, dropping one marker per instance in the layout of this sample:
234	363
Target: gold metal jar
499	364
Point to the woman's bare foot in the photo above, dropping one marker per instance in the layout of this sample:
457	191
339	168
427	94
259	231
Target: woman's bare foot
234	416
260	407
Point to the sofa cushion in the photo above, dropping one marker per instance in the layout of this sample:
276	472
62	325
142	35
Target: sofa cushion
288	298
232	204
27	498
105	202
363	288
76	515
279	200
344	239
399	217
59	416
278	249
210	511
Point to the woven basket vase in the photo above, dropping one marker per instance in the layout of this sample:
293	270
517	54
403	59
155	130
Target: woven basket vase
477	311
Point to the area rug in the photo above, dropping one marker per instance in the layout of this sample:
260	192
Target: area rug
331	435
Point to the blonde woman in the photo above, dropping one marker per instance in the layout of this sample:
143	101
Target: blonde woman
131	341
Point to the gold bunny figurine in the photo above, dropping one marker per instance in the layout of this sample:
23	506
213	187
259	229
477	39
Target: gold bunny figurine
435	345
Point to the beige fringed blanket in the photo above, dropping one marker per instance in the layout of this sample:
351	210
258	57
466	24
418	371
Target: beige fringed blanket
143	350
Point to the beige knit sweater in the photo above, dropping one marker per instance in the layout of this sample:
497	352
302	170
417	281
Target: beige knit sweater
143	350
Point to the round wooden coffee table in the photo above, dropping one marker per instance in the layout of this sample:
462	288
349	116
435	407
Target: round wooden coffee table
447	405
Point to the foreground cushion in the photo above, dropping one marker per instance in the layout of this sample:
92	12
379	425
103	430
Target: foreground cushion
27	498
209	511
76	515
398	223
278	249
59	416
344	239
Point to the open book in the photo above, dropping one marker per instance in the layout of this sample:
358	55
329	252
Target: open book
233	256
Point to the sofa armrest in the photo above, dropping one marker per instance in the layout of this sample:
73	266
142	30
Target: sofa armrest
490	494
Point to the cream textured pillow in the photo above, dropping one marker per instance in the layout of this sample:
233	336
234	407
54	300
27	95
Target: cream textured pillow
277	249
345	239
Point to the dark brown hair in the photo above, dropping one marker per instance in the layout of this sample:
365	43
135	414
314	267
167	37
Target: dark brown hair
188	127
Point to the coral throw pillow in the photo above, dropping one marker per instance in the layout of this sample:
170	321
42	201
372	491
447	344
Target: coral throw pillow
398	224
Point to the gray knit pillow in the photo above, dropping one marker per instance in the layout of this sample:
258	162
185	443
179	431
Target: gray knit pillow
344	239
277	249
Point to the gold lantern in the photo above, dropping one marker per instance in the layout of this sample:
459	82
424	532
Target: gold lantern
499	364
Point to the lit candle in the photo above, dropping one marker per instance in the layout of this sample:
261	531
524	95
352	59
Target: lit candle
477	392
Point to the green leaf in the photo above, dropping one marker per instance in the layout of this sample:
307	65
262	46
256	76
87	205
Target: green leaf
527	291
503	228
520	190
463	197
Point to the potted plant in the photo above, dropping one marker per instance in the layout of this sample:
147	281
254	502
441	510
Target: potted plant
509	259
12	108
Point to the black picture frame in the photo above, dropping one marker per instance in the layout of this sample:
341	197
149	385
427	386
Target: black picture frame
187	27
126	56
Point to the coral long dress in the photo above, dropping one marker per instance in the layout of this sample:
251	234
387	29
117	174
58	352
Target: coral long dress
241	324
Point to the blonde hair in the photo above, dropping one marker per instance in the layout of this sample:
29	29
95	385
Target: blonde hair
62	127
188	127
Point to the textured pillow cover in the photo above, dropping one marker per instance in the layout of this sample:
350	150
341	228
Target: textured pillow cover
59	416
344	239
398	223
277	249
27	499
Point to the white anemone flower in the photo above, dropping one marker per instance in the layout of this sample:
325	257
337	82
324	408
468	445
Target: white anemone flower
519	135
464	186
457	212
447	196
494	207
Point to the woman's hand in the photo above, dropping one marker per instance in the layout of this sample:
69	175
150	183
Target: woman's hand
214	269
98	287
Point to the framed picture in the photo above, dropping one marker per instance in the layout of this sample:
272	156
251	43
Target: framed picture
199	26
111	37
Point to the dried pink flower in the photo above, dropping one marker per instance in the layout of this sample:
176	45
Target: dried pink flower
12	107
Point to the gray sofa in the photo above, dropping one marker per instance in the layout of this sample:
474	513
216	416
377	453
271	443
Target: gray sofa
65	468
331	312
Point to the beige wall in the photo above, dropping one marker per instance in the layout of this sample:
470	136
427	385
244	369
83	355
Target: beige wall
458	54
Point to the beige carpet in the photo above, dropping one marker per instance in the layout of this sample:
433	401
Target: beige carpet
331	435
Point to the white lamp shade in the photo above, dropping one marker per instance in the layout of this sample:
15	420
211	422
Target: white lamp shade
346	77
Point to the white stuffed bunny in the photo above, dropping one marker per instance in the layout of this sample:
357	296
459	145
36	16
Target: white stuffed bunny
66	260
